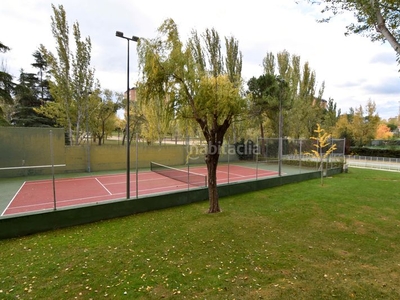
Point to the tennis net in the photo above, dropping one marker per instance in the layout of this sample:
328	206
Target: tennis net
185	176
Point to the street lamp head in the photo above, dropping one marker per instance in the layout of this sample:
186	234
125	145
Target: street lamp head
121	35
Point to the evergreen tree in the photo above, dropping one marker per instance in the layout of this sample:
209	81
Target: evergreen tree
6	91
44	84
72	77
26	100
30	94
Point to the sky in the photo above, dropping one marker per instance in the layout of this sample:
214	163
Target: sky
354	69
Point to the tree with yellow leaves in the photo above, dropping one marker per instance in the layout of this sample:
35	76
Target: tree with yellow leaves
383	132
322	142
200	83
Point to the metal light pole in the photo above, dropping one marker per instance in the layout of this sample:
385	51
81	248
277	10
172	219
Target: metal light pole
280	146
280	125
128	157
87	94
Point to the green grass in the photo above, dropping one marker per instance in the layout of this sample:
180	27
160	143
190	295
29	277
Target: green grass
298	241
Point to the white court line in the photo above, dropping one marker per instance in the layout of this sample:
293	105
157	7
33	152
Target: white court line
12	199
234	174
153	190
68	179
58	202
103	186
32	167
145	192
64	203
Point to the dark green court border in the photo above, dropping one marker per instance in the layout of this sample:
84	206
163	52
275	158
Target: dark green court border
26	224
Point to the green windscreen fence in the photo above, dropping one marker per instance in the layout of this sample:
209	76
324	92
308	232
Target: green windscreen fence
31	149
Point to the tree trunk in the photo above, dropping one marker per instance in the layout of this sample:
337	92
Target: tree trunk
71	137
123	138
382	28
214	138
212	163
103	133
262	139
77	133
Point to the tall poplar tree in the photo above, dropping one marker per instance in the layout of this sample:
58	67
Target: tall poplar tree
71	74
301	106
6	89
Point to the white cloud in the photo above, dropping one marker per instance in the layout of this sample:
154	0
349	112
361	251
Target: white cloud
353	68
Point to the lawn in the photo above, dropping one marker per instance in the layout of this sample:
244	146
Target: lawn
298	241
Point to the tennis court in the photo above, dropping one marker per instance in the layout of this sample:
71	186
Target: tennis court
37	195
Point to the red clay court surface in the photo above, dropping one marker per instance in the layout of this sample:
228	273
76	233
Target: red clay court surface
38	195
